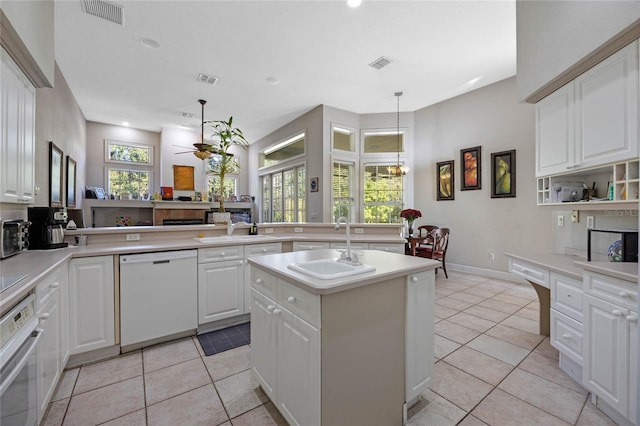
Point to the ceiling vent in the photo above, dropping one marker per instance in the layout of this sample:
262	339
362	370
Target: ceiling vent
380	63
103	9
203	78
187	115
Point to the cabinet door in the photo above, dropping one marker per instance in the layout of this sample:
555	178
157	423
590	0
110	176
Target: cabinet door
48	352
419	331
607	110
555	132
255	250
606	352
298	246
633	365
91	303
220	290
17	124
63	279
263	342
298	370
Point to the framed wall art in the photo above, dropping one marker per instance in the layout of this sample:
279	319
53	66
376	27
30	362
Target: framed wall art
71	182
503	174
55	175
445	180
470	168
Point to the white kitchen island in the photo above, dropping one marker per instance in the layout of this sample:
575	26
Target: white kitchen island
343	351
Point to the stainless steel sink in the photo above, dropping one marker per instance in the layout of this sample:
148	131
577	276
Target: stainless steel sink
327	269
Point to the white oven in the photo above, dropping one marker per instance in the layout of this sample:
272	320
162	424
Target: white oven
19	337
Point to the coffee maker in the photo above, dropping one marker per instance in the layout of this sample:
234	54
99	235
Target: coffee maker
47	227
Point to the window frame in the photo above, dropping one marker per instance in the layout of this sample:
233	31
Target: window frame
293	167
107	157
280	145
108	170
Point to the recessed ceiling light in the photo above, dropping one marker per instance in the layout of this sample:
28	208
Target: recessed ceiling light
272	81
150	43
354	3
125	123
473	81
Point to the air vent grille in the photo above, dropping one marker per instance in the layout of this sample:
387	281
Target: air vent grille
209	79
187	115
379	63
103	9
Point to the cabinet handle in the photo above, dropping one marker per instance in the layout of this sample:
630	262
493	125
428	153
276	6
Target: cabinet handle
222	253
414	279
276	311
632	318
264	250
616	312
566	336
291	299
44	317
259	281
270	308
624	294
54	285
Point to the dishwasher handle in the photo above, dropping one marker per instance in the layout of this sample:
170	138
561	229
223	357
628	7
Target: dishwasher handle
155	262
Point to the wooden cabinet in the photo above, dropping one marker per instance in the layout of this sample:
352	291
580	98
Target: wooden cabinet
610	341
17	134
286	352
220	290
592	120
49	351
91	304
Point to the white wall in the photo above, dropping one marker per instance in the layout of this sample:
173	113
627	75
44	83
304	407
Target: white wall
492	118
555	35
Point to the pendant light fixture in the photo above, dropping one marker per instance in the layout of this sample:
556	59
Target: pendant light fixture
398	170
201	152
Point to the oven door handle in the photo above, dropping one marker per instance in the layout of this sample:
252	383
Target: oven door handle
14	373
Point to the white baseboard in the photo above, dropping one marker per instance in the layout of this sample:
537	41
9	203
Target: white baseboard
482	271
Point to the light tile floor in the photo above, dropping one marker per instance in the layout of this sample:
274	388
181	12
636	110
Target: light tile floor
491	368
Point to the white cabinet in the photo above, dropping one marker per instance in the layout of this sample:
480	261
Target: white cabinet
305	245
255	250
610	341
592	120
286	349
17	134
419	329
389	248
91	303
220	290
49	351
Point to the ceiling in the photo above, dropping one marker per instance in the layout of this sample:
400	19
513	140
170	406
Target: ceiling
319	51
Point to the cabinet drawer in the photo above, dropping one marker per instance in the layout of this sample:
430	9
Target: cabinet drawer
614	290
529	272
264	282
299	302
566	295
259	249
297	246
216	254
354	246
566	335
47	288
389	248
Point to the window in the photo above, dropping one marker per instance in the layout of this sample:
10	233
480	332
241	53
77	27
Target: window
342	190
230	180
383	142
283	151
132	168
343	138
284	195
383	194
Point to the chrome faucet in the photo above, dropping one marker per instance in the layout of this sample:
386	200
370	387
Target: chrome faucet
230	228
344	220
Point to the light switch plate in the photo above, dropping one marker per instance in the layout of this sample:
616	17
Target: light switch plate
591	222
560	221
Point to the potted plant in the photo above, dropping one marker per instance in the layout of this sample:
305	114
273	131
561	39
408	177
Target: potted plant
224	136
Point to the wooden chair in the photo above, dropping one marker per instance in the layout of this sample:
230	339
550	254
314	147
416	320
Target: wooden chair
426	231
438	251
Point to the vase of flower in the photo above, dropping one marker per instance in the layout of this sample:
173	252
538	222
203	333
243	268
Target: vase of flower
410	215
410	224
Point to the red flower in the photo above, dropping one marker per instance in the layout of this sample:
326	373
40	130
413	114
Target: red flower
410	214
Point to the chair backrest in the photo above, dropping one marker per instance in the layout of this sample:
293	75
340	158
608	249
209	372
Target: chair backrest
426	231
441	241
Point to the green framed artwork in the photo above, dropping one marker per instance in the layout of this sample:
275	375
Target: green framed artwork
503	174
445	181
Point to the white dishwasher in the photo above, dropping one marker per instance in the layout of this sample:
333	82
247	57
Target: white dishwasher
158	296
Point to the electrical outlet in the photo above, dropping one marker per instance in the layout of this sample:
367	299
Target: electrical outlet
133	237
268	231
359	230
560	221
297	229
492	256
591	222
575	218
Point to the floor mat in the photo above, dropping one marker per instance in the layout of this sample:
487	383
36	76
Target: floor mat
218	341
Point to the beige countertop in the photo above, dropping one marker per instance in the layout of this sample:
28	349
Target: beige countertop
388	266
574	265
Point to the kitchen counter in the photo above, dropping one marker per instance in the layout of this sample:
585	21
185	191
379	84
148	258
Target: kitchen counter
388	266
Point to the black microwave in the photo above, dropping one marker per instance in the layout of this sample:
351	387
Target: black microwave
14	235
